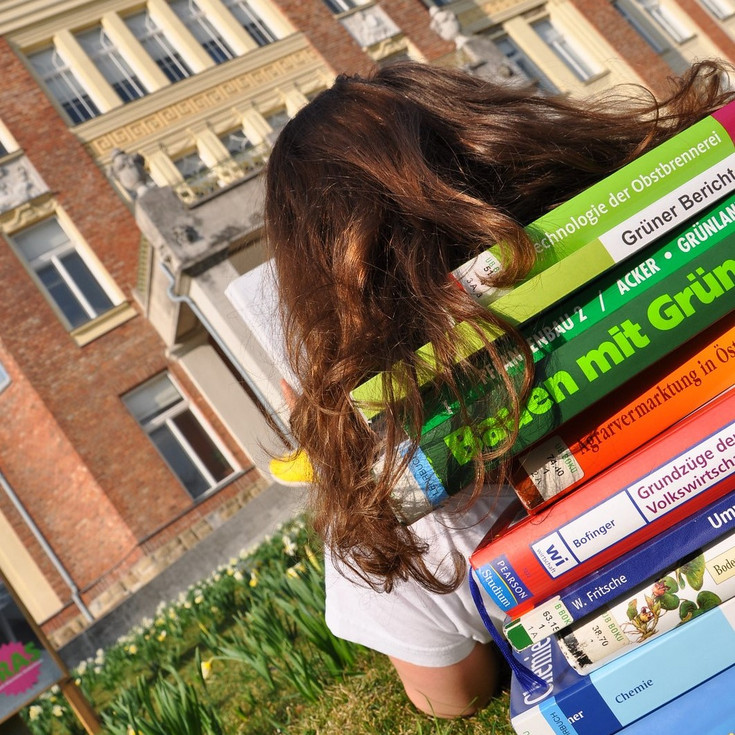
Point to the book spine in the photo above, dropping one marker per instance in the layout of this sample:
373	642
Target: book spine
632	686
641	409
587	307
676	596
575	375
603	225
620	576
671	477
705	710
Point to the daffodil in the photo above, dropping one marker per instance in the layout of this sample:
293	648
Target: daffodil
206	669
34	712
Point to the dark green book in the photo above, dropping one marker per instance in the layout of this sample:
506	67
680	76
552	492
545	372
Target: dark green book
627	332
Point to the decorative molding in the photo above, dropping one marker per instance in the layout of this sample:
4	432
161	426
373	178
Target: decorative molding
390	47
27	214
19	183
369	26
182	113
104	323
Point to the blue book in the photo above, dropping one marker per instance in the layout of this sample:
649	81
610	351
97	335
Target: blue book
705	710
624	574
628	688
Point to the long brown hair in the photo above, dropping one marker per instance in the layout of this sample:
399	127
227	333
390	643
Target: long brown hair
375	191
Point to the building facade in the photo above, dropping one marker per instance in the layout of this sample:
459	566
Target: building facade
138	410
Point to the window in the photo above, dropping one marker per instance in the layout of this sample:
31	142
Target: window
103	54
158	47
243	151
668	23
4	378
63	272
63	86
564	50
514	54
251	22
341	6
635	23
204	32
193	169
721	9
278	119
164	414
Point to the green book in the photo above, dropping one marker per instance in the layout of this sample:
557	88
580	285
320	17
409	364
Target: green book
628	332
584	237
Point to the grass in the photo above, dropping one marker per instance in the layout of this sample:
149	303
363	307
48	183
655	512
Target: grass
247	652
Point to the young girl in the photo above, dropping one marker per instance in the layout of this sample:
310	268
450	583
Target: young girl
375	191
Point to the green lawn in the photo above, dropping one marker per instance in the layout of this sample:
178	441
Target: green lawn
246	652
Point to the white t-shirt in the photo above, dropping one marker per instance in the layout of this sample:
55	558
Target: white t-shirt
411	623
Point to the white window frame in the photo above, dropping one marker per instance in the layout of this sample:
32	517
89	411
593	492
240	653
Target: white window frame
63	85
343	6
721	9
158	46
674	28
640	27
574	59
249	19
513	52
54	257
103	53
205	34
166	419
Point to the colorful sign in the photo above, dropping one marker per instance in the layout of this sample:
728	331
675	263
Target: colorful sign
27	668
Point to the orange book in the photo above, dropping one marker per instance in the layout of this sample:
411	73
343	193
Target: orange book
642	408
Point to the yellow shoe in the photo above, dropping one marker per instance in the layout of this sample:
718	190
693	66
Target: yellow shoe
293	469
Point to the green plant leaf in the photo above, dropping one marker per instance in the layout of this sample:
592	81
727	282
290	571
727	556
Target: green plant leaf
670	583
706	600
669	601
693	570
687	610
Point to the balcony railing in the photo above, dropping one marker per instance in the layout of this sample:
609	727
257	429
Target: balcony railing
207	182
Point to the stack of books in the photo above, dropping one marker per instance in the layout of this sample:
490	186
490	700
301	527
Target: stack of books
618	581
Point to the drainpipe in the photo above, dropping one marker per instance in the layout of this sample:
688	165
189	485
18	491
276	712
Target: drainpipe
178	298
75	596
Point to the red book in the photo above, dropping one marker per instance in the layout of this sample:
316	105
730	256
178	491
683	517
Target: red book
642	408
674	475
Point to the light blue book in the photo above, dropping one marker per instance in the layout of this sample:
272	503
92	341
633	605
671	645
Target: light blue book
628	688
705	710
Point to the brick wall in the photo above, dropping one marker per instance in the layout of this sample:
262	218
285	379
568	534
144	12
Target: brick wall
336	46
710	26
412	17
92	480
644	61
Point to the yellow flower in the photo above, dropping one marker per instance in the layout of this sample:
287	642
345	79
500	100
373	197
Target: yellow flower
132	649
199	599
34	712
253	579
312	558
161	636
57	710
294	571
206	669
